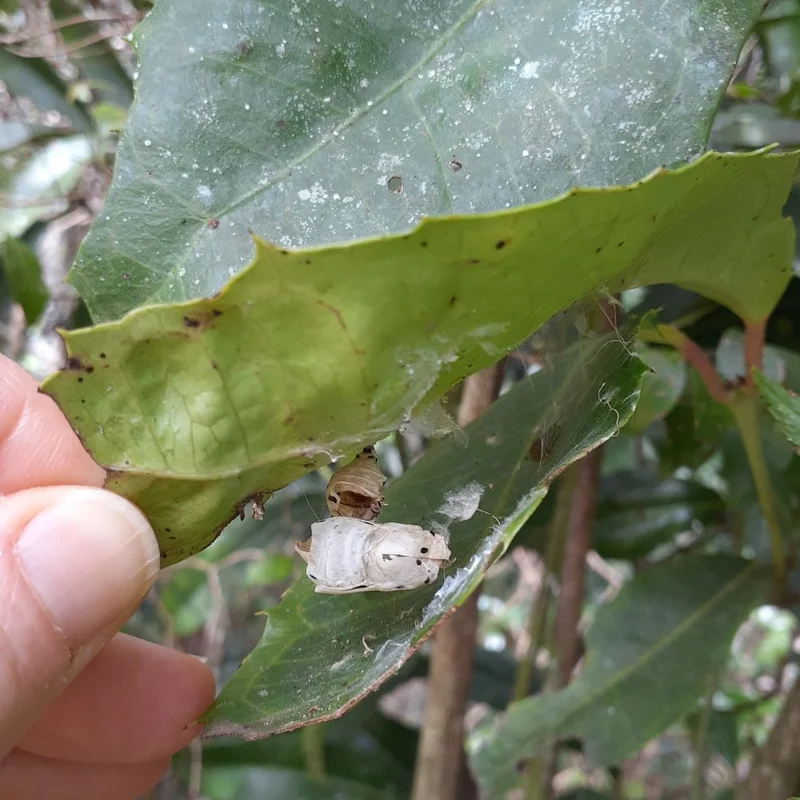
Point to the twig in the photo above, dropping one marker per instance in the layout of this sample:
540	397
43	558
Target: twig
440	753
775	772
700	744
555	548
693	354
573	568
55	26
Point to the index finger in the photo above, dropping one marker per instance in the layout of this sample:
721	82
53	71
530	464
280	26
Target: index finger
37	445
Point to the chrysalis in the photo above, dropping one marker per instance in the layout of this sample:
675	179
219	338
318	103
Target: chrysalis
356	490
348	555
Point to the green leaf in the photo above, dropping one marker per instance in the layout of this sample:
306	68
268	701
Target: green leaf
24	276
693	429
661	388
321	653
636	512
277	783
35	79
319	122
650	654
271	569
363	752
308	354
723	735
784	406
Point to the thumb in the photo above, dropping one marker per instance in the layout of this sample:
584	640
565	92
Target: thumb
74	564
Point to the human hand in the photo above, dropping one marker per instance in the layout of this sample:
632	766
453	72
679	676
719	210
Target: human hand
86	713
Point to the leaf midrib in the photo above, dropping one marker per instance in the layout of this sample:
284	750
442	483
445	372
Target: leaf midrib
617	676
436	47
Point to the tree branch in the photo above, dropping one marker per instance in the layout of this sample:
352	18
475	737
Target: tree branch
440	754
573	565
775	773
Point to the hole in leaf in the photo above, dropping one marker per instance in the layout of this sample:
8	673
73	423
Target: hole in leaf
395	184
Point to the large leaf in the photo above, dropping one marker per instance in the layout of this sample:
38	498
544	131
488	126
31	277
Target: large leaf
783	405
650	655
312	662
324	122
310	354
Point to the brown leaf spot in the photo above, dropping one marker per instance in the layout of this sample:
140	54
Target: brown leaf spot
501	244
201	319
213	223
74	363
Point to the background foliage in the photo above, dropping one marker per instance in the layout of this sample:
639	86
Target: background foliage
320	123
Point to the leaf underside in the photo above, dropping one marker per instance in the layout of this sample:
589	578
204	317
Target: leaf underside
309	355
321	653
327	122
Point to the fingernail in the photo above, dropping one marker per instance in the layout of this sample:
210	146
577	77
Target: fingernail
90	559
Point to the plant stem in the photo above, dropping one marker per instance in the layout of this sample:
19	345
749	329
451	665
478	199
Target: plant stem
754	334
313	741
552	565
693	354
698	786
745	409
440	753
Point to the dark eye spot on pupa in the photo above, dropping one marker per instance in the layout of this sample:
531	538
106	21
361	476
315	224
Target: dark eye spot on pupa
313	577
361	586
423	550
332	498
427	580
387	557
419	563
400	586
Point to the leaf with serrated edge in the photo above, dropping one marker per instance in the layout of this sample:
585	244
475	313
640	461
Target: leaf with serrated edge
650	654
783	405
292	119
321	653
311	354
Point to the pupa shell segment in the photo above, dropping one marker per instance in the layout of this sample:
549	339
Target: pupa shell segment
356	490
348	555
